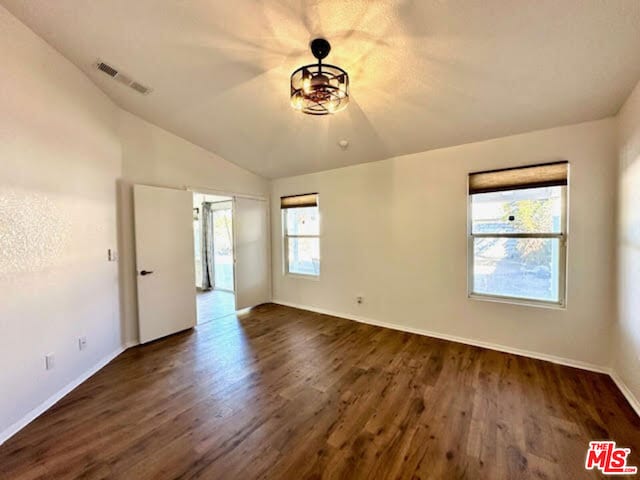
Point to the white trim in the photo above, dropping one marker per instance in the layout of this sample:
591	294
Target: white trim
53	399
454	338
563	264
222	193
303	276
285	245
529	302
628	394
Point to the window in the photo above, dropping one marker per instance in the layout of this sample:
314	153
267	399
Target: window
518	235
301	228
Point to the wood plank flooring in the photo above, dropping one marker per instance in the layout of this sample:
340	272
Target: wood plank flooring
214	304
281	393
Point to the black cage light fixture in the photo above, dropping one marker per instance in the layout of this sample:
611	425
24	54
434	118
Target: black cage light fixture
319	88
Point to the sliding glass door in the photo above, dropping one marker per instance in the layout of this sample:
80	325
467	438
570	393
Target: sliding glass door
223	247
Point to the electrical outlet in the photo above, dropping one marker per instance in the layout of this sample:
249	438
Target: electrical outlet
82	343
49	361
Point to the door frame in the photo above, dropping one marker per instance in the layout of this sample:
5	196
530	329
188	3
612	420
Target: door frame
225	193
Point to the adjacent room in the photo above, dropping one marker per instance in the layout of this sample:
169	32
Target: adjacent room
213	252
320	239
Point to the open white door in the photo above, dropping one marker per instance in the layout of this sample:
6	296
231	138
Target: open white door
164	257
252	265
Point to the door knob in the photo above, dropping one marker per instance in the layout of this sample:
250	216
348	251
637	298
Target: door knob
146	272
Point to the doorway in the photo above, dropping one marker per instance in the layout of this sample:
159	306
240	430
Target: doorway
214	256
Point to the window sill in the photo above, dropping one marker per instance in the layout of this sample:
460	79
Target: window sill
518	301
315	278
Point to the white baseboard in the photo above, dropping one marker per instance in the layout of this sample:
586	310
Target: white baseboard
453	338
628	394
53	399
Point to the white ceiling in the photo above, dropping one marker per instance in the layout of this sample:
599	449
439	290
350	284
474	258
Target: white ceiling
424	74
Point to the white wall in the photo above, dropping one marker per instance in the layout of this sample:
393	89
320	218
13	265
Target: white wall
394	231
627	339
68	159
63	145
59	161
153	156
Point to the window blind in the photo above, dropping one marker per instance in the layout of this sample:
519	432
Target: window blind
544	175
299	201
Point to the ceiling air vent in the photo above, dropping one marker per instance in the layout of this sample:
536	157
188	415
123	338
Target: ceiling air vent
140	88
108	69
122	77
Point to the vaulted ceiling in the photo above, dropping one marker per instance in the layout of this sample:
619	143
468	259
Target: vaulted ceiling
424	73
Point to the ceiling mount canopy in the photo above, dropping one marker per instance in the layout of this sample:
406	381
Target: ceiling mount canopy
319	89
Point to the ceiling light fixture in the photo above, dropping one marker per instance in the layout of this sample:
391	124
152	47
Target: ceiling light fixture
319	89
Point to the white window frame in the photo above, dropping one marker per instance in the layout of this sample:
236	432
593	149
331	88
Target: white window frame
285	247
562	236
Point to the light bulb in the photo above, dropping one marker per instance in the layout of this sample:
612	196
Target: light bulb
331	106
306	84
296	102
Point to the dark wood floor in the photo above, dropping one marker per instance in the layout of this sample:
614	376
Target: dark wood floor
286	394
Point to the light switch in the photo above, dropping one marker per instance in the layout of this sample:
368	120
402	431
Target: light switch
49	361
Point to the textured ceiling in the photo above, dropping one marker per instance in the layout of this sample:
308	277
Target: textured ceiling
424	74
